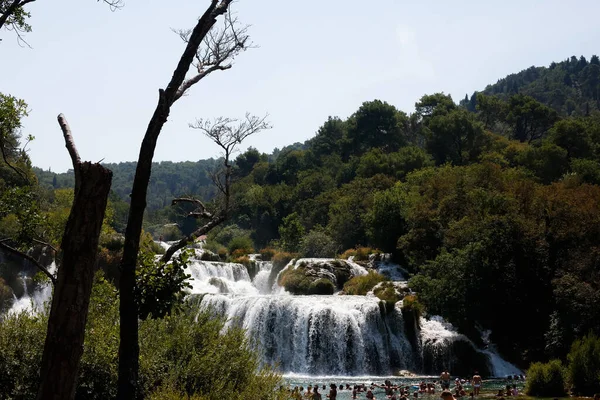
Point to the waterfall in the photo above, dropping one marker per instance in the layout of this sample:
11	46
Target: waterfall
261	280
35	302
343	335
326	335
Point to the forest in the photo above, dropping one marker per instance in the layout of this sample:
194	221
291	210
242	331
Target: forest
491	204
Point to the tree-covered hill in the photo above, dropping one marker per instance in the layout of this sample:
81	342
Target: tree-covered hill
169	179
571	87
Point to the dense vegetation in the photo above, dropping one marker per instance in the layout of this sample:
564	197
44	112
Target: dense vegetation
492	204
181	355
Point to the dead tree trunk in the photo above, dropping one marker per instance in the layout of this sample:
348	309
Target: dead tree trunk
129	346
66	325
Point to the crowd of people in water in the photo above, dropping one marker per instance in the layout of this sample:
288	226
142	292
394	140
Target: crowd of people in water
450	390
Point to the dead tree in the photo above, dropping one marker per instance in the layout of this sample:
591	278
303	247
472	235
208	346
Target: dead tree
68	314
208	49
227	134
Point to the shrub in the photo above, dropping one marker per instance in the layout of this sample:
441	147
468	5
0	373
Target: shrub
360	285
362	253
243	243
546	380
584	365
411	303
387	293
321	286
181	356
281	259
242	252
170	232
267	253
347	254
295	280
208	255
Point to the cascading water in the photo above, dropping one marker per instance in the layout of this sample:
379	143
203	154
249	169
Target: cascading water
345	335
32	303
324	334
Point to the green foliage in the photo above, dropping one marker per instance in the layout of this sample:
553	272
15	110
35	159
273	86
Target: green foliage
180	355
282	258
385	220
295	280
267	253
410	303
17	20
569	87
21	340
388	294
317	243
321	286
584	365
240	244
528	118
376	124
360	285
454	137
291	232
546	380
159	286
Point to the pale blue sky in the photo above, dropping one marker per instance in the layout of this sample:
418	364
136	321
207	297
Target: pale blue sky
316	58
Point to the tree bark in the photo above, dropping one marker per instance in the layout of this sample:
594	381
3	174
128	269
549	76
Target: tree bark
129	347
66	325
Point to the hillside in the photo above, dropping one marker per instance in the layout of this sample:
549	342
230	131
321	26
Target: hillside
571	87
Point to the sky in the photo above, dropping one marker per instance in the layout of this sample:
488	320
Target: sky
314	59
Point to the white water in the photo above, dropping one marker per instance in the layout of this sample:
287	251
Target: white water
324	335
36	302
319	334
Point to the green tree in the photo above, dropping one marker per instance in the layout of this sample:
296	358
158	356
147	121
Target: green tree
376	124
572	135
529	119
584	365
291	232
317	243
455	137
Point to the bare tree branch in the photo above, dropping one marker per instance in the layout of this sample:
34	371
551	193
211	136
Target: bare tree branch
199	212
227	133
30	259
46	244
70	145
114	4
217	51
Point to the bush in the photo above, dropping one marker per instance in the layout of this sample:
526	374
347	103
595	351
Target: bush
295	280
321	286
267	253
347	254
362	253
546	380
411	303
387	293
180	356
584	365
281	259
360	285
242	243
